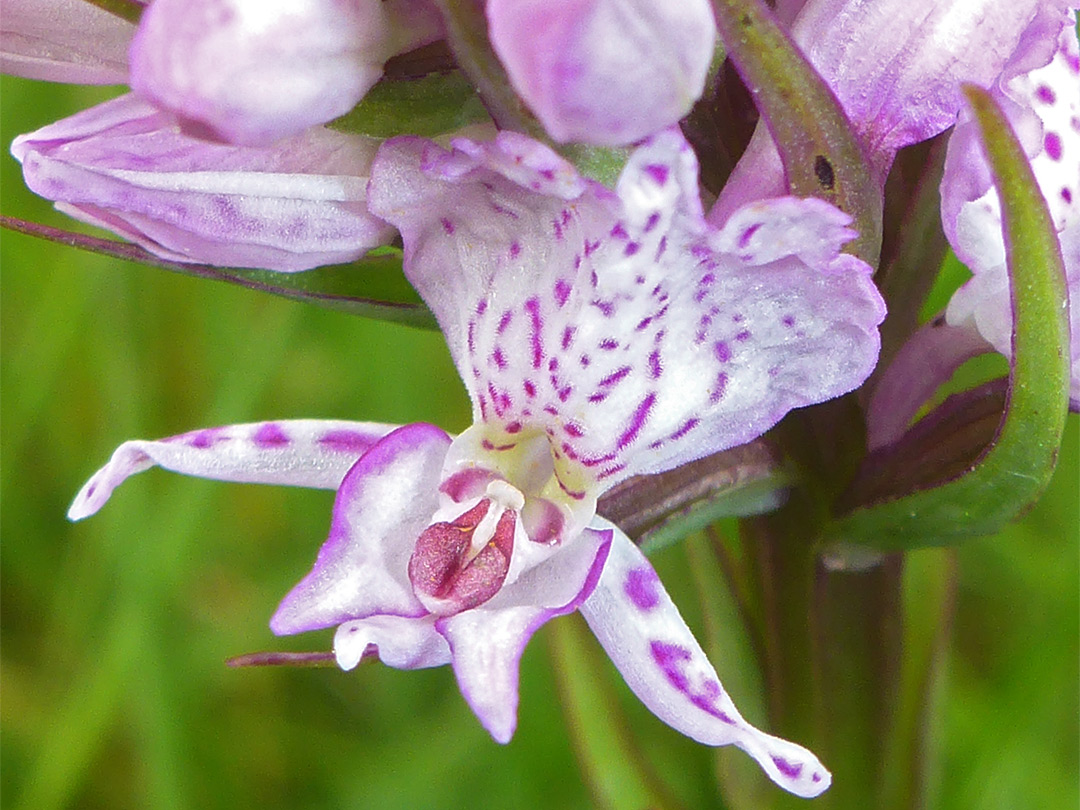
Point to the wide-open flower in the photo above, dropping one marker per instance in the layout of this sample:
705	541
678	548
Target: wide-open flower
129	167
607	72
600	335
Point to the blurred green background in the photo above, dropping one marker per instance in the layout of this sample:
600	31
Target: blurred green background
115	630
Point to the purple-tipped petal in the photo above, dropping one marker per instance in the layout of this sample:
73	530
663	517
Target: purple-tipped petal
254	71
303	452
1043	106
636	622
126	166
64	41
400	642
487	642
382	506
607	72
623	327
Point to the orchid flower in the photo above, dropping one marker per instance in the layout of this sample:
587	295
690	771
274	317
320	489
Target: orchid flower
600	335
254	71
130	168
1043	106
607	72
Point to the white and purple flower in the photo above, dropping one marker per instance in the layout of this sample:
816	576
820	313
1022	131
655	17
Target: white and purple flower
600	335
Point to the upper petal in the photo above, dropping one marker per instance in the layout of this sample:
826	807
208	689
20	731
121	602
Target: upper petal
128	167
639	626
254	71
383	504
64	41
487	642
621	326
607	72
303	452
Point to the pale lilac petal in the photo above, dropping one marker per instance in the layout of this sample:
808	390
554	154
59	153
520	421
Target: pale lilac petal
253	71
400	642
621	325
639	626
897	67
925	362
608	72
1043	106
487	642
64	41
126	166
382	505
303	452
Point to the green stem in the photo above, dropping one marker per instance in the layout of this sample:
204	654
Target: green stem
124	9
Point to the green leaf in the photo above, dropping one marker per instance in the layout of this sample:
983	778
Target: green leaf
611	764
373	286
817	145
428	106
660	510
1017	464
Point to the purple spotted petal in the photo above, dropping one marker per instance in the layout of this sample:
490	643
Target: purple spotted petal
127	167
400	642
1043	106
64	41
897	67
637	624
487	642
254	71
620	325
303	452
383	504
608	72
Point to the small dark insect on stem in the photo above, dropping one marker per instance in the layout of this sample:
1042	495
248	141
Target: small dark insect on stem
824	172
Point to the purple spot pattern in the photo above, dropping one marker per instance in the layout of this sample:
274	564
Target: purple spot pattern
675	663
641	588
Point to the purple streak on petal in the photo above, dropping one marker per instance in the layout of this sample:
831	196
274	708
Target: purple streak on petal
665	667
270	435
637	421
233	453
641	588
1052	145
126	166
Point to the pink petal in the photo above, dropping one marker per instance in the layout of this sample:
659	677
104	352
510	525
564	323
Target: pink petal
383	504
254	71
487	642
620	325
64	41
127	167
304	453
608	72
637	624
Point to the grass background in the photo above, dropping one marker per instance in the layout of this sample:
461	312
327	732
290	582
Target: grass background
114	630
